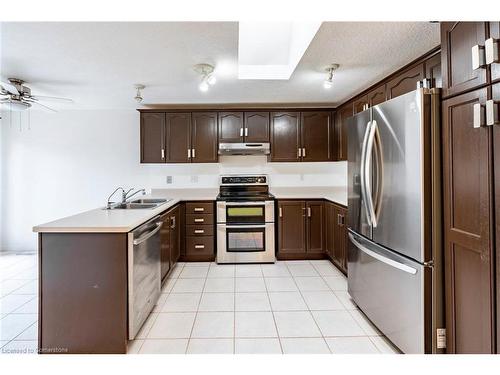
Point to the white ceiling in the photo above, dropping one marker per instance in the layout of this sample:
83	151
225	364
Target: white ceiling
97	64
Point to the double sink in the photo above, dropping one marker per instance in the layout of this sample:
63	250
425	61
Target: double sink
147	203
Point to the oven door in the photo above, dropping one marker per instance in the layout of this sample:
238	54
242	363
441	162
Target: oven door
245	243
258	212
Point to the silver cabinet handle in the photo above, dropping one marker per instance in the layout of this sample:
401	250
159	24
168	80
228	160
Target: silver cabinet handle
193	153
172	219
339	219
299	152
199	220
199	231
280	212
199	246
163	153
149	234
246	132
380	257
303	152
241	132
189	153
491	51
309	212
478	115
492	113
478	57
199	209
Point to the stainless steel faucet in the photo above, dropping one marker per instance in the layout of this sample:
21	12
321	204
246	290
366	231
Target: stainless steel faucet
125	195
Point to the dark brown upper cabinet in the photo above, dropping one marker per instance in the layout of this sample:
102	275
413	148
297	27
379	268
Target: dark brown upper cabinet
468	225
178	137
317	141
231	127
405	81
433	70
249	127
457	40
153	138
285	136
256	127
360	104
204	137
341	129
376	96
495	67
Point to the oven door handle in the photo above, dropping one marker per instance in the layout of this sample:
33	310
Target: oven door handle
245	226
258	203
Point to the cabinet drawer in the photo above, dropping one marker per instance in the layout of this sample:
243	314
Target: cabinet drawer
199	245
199	207
199	219
199	230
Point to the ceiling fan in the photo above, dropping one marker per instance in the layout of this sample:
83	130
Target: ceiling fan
15	94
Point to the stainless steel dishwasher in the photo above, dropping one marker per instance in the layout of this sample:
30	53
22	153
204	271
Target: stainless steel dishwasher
144	278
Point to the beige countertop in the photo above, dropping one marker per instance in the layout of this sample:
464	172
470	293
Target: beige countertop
122	221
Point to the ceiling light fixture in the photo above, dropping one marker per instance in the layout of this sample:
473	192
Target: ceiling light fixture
328	83
207	76
138	96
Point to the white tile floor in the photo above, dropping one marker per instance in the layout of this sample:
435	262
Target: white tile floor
287	307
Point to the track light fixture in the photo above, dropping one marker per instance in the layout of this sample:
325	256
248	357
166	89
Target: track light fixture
207	76
328	82
138	96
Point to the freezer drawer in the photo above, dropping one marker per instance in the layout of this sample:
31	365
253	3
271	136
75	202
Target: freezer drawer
389	289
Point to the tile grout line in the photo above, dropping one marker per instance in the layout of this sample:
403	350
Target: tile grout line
196	313
272	311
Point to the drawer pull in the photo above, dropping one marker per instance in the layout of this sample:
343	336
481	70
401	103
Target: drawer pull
478	115
199	231
478	57
199	246
199	209
492	112
199	220
491	50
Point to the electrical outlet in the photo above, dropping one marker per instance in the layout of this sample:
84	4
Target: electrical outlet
169	179
194	179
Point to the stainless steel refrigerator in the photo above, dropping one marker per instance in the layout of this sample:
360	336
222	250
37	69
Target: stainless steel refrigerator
394	221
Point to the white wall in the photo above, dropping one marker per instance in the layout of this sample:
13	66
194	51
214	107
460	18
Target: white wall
71	161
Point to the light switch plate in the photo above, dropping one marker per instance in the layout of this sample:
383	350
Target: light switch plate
169	179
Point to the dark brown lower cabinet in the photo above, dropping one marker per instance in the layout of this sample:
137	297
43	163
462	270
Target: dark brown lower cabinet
336	234
170	239
199	219
301	233
468	227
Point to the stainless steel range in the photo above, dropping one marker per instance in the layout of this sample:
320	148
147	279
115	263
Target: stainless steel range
245	220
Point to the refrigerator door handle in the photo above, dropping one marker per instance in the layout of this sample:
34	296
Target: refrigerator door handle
366	171
380	257
362	171
379	157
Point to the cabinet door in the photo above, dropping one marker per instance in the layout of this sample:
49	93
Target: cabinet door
204	137
315	227
165	244
329	228
340	129
291	228
433	70
360	104
152	138
457	40
316	137
376	96
175	234
467	168
178	137
256	127
495	67
496	163
405	82
285	136
230	127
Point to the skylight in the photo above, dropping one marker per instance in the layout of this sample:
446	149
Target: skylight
272	50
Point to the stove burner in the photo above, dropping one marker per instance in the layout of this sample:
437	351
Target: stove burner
244	188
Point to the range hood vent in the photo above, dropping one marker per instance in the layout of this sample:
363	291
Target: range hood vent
244	148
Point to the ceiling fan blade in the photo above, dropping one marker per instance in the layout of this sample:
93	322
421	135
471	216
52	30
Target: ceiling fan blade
7	86
42	105
51	98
